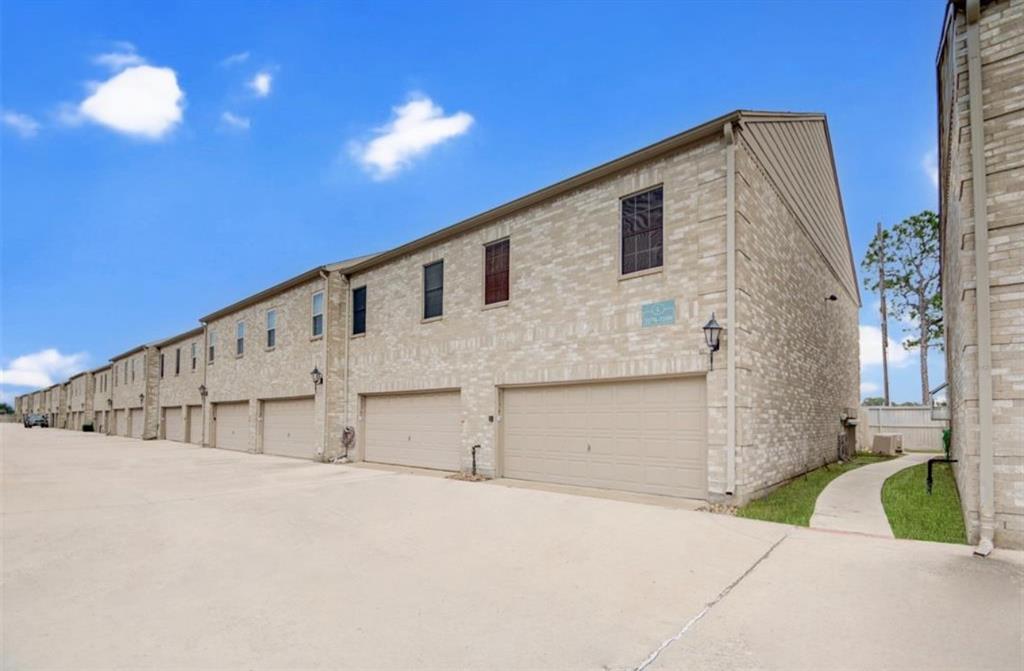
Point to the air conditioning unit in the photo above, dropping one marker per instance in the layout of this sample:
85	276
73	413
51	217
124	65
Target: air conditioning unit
887	443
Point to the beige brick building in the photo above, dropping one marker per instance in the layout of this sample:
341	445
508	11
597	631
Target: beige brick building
182	372
558	337
261	355
102	380
981	162
134	393
544	339
79	400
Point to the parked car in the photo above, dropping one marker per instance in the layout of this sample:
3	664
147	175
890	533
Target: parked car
35	420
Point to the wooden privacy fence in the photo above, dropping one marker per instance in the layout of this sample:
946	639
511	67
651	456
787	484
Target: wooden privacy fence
920	432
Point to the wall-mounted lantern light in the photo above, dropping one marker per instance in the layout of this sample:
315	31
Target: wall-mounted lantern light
202	390
318	377
110	403
142	397
712	334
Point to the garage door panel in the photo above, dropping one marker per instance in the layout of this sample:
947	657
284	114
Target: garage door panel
195	424
289	429
174	424
121	423
136	423
232	426
422	430
645	436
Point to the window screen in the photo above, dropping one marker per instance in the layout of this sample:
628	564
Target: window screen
433	290
359	310
496	272
641	231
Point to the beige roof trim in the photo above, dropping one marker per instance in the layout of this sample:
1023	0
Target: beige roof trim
101	368
134	350
181	336
78	375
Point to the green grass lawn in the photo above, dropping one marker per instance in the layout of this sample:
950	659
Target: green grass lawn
914	514
793	503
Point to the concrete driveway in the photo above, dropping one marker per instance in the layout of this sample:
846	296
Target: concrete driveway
120	553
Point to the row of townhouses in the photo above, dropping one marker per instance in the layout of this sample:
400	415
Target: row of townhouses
568	336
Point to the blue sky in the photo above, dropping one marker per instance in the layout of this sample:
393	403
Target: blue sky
161	160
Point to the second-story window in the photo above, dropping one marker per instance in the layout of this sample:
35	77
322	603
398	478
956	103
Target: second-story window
177	361
209	356
318	314
133	370
240	339
161	366
496	272
359	310
271	328
641	231
433	290
194	358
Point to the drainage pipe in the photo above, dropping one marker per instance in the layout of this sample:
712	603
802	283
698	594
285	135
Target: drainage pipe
730	293
982	281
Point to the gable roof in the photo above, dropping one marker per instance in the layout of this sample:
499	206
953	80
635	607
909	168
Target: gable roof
796	153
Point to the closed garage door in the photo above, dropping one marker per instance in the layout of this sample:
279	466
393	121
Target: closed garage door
421	430
98	425
195	424
137	423
231	426
637	436
121	422
289	429
174	425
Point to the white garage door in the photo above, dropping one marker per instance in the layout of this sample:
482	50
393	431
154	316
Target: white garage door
121	422
289	429
421	430
637	436
137	422
98	425
231	426
174	425
195	424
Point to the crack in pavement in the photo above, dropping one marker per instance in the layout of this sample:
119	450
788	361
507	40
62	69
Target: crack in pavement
707	607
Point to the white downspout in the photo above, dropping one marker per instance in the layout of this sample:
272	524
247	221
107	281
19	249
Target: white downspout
982	281
730	292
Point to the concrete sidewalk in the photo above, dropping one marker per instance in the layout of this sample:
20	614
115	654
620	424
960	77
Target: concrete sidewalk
853	501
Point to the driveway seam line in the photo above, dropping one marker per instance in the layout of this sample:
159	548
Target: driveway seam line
707	607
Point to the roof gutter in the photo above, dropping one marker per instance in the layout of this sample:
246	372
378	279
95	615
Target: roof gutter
982	281
730	292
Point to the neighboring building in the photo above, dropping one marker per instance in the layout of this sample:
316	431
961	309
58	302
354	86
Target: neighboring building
135	393
261	355
101	399
80	400
559	336
52	406
38	404
980	73
182	369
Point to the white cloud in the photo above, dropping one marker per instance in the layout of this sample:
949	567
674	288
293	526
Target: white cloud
867	387
42	369
416	128
930	165
22	124
260	83
144	101
871	349
235	121
235	59
123	57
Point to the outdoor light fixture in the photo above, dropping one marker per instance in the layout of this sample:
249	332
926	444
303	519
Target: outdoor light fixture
318	377
202	390
712	332
832	297
110	403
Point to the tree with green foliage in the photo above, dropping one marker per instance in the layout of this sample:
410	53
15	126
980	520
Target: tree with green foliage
871	401
6	409
908	254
